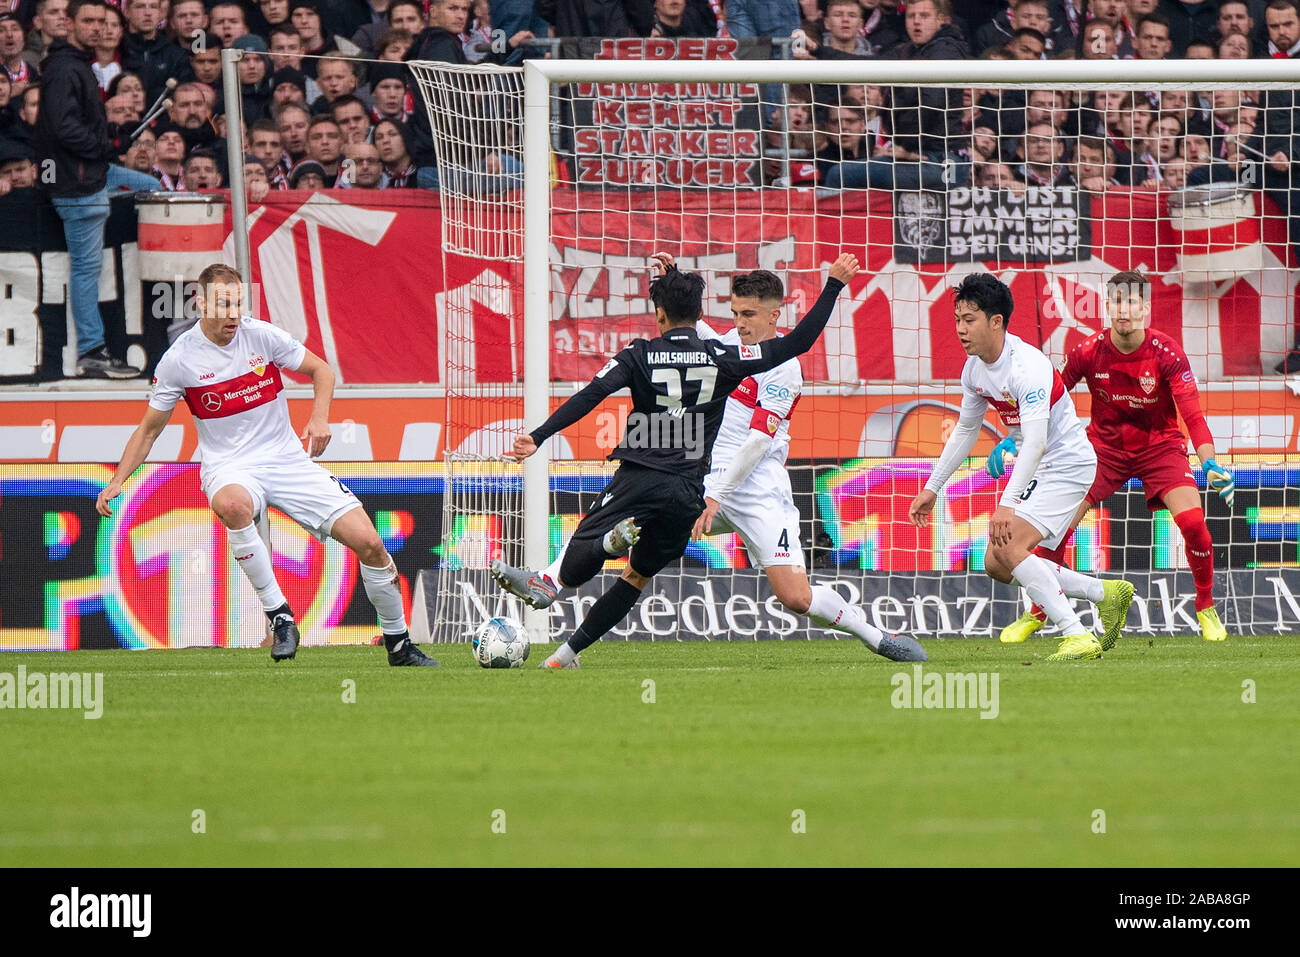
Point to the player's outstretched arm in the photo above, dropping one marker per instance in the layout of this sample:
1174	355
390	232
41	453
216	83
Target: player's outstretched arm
524	447
136	451
616	375
317	432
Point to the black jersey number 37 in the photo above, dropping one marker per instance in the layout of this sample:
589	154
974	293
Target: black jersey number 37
703	377
1029	490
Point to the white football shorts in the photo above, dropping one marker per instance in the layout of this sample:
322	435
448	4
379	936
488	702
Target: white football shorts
300	488
1052	497
768	524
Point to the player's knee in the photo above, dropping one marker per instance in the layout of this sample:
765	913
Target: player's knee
233	512
635	579
995	563
578	569
371	551
797	596
1001	561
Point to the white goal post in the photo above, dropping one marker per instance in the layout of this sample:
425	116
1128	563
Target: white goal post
536	122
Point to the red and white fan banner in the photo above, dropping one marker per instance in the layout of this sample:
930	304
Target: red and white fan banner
359	278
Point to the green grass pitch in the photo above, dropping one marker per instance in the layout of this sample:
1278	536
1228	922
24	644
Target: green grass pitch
461	766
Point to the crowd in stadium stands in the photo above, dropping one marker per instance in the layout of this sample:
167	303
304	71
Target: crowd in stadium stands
307	119
905	137
340	121
328	100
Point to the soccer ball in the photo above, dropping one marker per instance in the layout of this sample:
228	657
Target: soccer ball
500	643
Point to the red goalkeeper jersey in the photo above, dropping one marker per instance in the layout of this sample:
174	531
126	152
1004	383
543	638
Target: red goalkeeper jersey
1136	398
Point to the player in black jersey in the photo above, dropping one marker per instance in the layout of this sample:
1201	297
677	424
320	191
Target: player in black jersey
679	384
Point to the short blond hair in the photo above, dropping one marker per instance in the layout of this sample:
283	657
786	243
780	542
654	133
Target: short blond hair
218	272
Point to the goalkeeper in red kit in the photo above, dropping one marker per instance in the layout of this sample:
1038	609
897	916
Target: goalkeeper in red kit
1140	382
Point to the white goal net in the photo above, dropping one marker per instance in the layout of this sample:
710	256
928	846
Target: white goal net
1052	176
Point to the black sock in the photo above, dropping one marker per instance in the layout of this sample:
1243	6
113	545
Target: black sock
392	641
282	610
610	608
582	563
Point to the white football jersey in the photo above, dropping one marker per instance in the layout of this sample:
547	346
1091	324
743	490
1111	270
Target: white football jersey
764	403
1022	385
234	392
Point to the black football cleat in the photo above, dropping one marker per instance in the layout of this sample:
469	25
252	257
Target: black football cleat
406	654
285	633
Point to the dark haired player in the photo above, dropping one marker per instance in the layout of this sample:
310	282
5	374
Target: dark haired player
1140	381
1053	474
679	384
748	490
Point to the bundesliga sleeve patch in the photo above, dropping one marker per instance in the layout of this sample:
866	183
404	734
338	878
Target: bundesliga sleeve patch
751	352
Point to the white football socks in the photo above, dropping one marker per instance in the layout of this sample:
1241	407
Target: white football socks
252	555
381	589
552	571
1077	585
1038	578
829	609
563	655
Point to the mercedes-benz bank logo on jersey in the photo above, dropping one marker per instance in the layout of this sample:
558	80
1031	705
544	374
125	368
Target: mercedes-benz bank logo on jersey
76	910
232	396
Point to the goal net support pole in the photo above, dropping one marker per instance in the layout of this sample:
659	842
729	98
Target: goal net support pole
537	329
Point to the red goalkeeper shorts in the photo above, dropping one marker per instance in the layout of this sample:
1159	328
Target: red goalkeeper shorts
1159	469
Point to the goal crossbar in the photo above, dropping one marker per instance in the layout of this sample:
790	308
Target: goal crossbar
1263	74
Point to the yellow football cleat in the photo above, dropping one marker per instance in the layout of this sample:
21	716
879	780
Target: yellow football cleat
1020	629
1211	628
1113	610
1077	648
